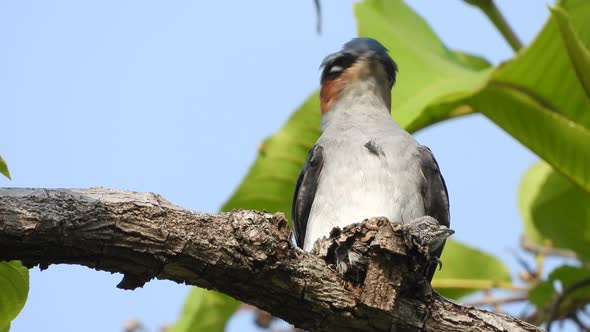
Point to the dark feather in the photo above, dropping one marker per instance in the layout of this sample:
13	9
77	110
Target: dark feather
305	192
436	198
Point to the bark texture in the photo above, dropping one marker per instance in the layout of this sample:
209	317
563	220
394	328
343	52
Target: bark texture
246	254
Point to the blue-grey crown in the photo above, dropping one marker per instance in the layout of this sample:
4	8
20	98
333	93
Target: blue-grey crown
360	45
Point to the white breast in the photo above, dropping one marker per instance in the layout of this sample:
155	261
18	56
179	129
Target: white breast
355	184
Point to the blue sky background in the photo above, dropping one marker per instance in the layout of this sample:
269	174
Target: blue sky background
174	97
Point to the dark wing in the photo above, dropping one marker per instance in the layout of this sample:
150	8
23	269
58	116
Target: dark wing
305	189
434	193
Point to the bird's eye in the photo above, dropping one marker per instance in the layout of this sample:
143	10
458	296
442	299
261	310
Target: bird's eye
337	66
335	69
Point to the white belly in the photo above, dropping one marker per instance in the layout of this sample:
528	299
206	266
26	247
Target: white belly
356	185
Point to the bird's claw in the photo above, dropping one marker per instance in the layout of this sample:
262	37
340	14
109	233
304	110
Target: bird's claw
425	234
350	264
436	261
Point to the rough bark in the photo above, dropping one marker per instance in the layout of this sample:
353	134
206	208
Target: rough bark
246	254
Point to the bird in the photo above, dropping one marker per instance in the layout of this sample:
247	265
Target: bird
364	164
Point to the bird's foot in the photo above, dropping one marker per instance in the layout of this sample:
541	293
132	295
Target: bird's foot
426	235
348	256
351	265
434	262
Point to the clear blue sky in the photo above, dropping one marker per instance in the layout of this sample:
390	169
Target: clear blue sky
174	97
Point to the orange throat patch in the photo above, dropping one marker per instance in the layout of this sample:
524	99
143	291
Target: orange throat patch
329	93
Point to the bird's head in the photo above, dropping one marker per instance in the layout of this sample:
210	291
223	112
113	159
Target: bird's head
363	63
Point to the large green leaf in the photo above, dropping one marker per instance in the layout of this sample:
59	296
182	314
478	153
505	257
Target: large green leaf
544	69
554	211
555	122
543	295
427	69
4	168
562	142
538	98
466	269
577	51
14	289
472	61
205	311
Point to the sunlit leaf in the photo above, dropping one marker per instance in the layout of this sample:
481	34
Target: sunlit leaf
544	69
554	211
14	289
553	118
467	269
577	51
471	60
4	168
541	294
537	98
544	294
427	69
205	311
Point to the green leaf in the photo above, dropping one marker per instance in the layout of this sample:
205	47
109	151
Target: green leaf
14	286
554	211
543	294
472	61
5	328
466	269
562	142
551	117
538	99
427	69
4	168
544	69
577	51
559	129
205	311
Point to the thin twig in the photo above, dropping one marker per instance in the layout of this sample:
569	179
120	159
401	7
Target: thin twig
318	11
534	248
554	311
534	273
488	7
579	323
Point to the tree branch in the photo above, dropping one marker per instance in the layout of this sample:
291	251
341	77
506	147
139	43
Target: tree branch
246	254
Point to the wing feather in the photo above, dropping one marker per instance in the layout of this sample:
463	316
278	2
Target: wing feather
434	191
435	196
305	190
